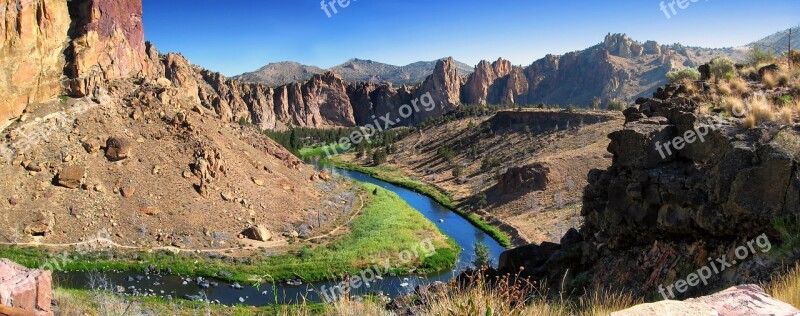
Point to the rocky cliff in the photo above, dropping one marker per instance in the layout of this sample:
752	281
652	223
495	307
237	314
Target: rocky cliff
651	219
33	37
50	47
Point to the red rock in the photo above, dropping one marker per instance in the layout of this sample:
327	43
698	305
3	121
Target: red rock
71	177
24	288
150	211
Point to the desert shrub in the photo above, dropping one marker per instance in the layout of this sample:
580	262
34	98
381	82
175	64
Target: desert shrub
458	171
786	99
722	67
734	105
615	105
688	74
758	56
572	108
596	104
760	111
724	88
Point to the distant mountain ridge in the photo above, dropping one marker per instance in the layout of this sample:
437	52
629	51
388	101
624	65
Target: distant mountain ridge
617	68
779	42
353	70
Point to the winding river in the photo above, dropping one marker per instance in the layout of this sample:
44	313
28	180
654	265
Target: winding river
175	286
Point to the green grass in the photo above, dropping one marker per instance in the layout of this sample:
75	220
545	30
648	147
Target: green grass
386	226
321	151
394	177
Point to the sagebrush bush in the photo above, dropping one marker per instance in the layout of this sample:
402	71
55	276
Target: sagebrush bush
616	105
688	74
758	56
723	67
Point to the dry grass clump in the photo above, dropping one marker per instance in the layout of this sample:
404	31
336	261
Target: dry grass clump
734	106
770	80
739	86
762	109
786	288
724	88
787	115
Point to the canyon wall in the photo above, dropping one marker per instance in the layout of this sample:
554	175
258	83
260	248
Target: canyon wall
50	47
33	37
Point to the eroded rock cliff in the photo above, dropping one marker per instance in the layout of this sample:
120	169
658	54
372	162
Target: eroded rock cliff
33	36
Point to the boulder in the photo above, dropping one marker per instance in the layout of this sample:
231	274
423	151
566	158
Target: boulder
27	290
746	300
42	225
743	300
71	177
258	232
672	308
117	149
128	191
150	211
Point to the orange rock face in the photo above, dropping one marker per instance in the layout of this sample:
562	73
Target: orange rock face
33	37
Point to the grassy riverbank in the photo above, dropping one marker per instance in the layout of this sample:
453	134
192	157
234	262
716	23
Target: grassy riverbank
386	227
397	178
322	151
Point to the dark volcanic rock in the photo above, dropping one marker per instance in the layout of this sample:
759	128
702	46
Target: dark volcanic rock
650	214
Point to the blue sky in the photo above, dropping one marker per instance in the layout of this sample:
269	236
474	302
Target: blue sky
242	35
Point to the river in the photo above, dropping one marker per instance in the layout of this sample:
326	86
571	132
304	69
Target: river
175	286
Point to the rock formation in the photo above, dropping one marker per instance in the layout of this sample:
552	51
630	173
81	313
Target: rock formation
650	217
106	42
33	37
25	289
743	300
71	47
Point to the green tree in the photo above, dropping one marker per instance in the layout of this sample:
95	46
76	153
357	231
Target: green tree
458	171
481	255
